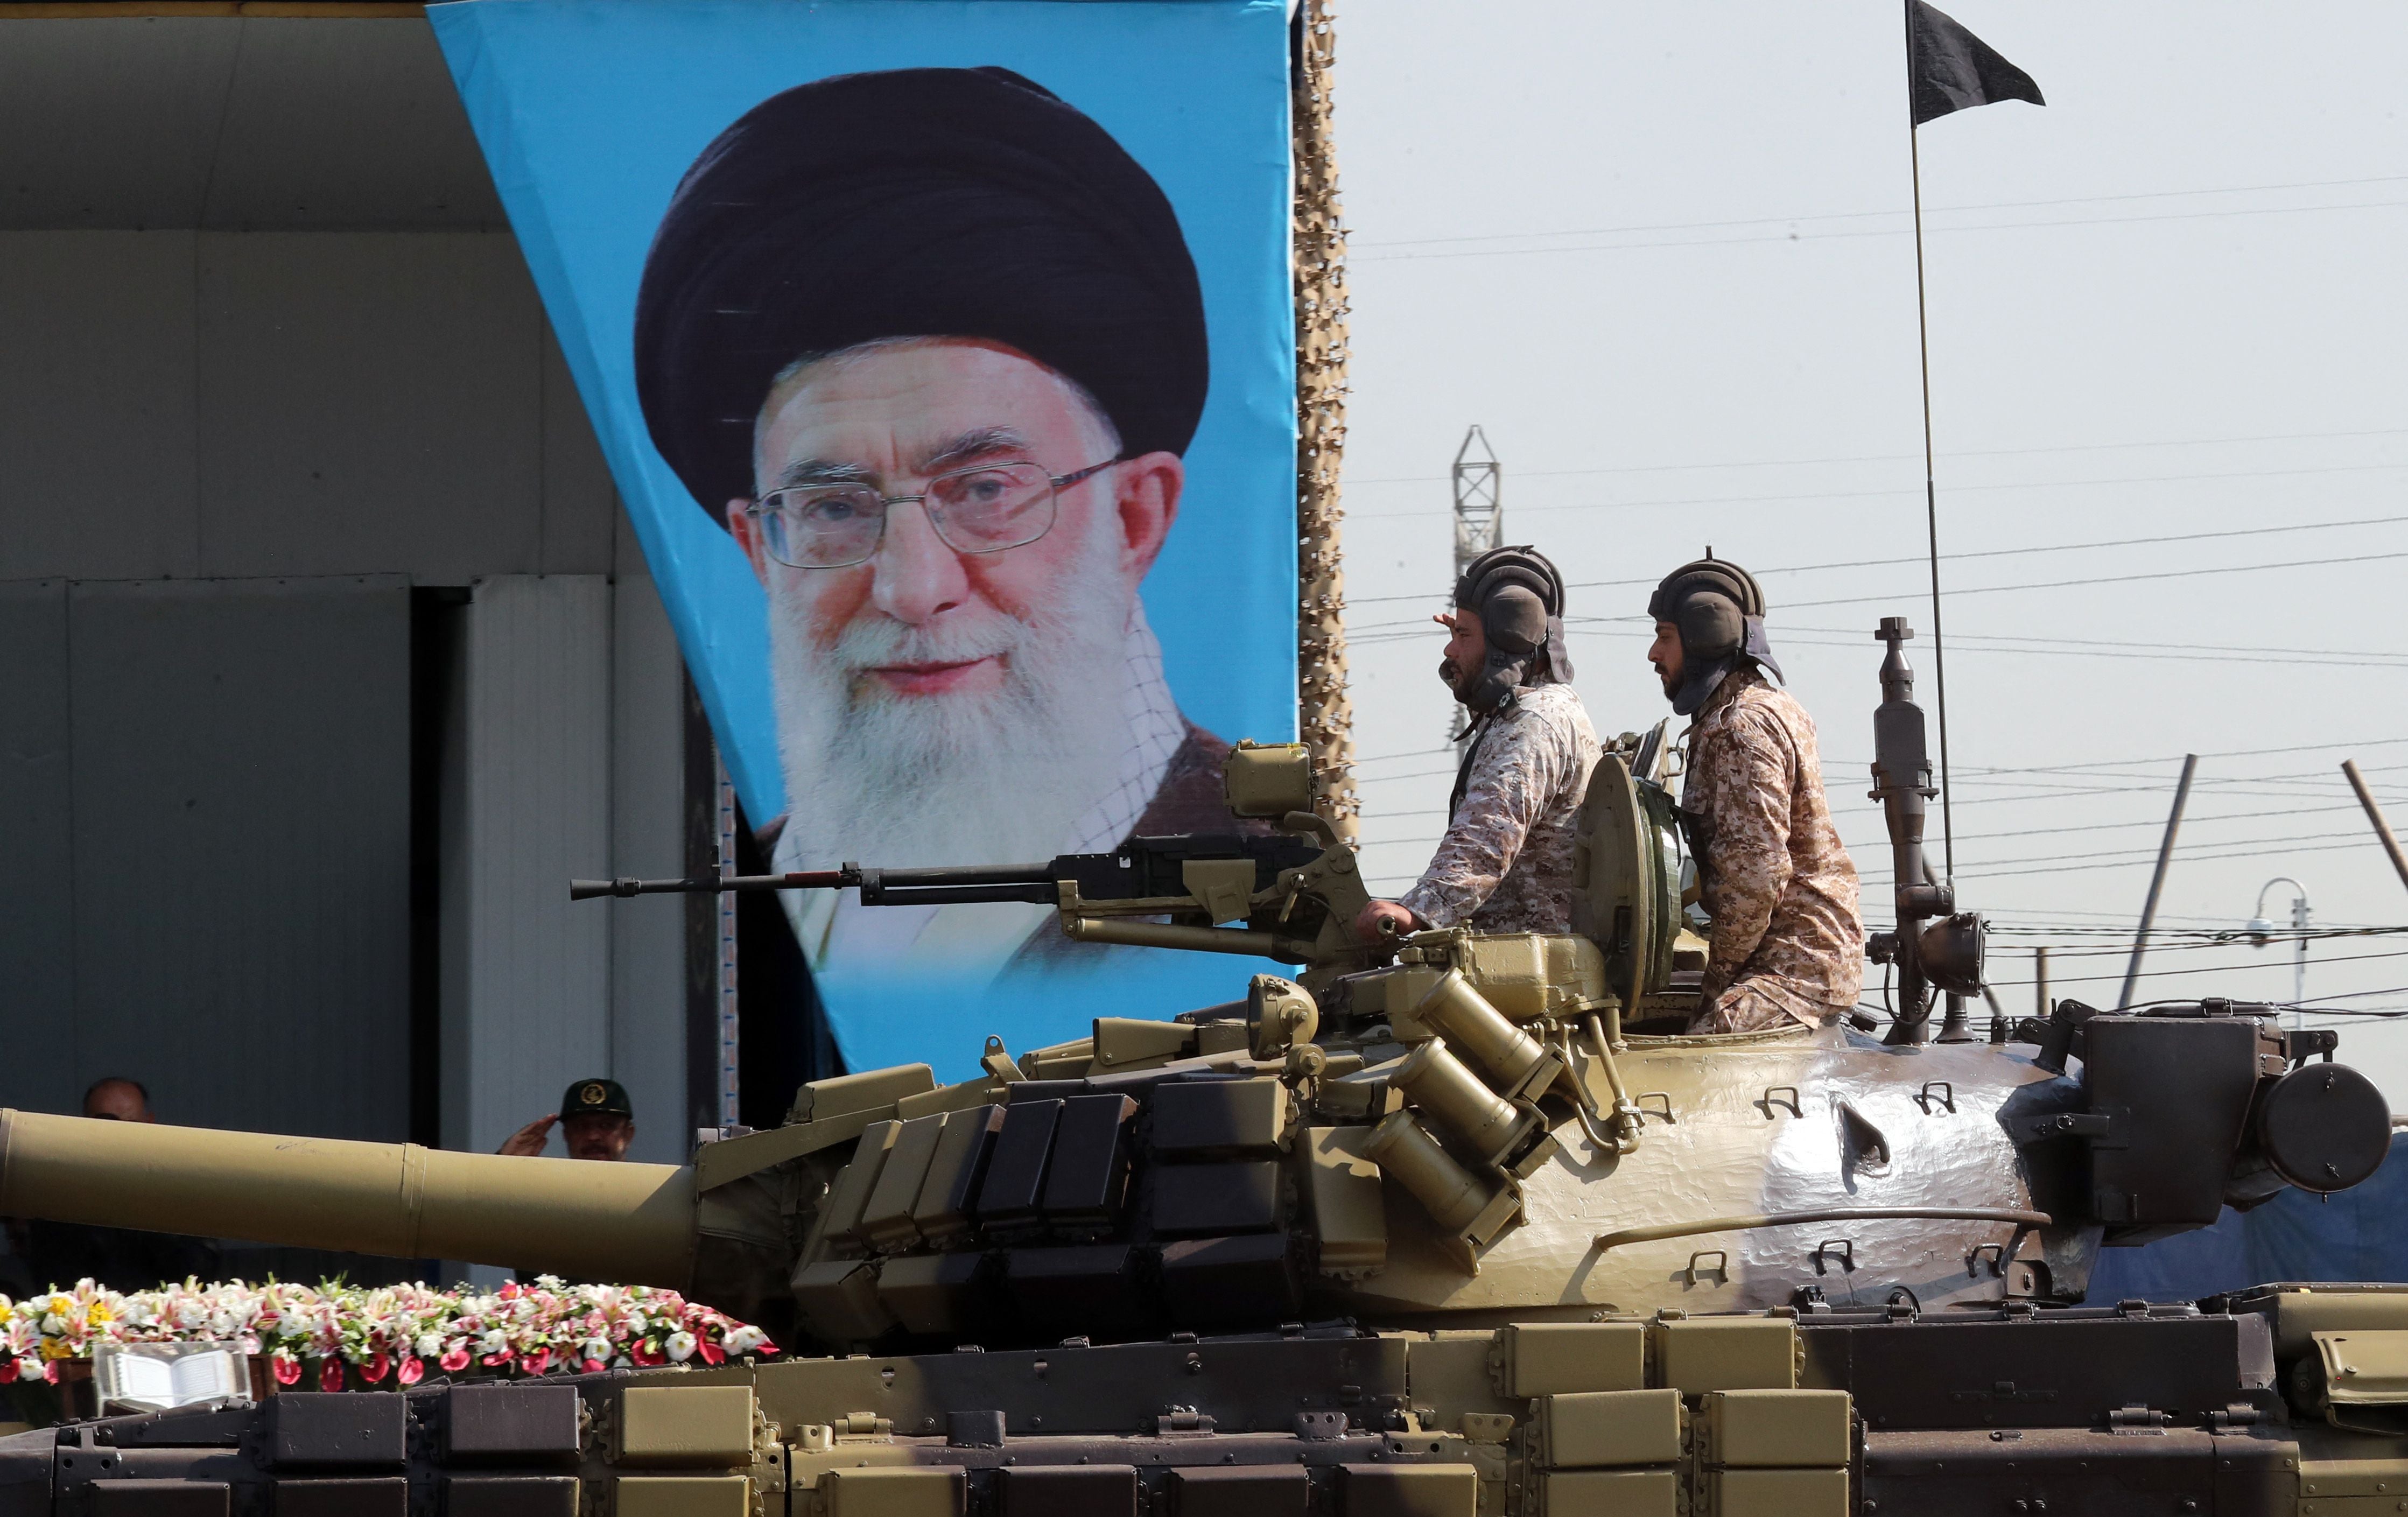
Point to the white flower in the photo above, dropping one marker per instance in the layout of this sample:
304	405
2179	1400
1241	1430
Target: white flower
496	1341
743	1340
596	1348
429	1346
680	1346
53	1325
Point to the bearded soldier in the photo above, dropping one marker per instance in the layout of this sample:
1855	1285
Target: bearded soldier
1505	864
1788	942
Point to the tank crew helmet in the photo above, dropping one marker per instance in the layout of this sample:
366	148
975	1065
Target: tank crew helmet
1719	609
1519	598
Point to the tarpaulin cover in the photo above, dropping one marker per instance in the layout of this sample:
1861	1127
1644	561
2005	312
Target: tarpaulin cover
2357	1234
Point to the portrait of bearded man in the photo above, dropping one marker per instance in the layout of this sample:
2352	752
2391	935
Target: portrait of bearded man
930	345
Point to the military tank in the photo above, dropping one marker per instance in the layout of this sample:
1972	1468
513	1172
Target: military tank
1452	1225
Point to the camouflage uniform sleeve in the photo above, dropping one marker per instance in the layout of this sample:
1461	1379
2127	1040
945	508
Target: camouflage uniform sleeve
1747	856
1511	777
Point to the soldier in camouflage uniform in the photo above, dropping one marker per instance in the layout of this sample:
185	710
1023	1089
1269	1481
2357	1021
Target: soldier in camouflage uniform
1505	864
1787	943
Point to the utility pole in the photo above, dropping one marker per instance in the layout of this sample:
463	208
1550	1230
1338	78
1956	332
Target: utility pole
2375	815
2157	881
1479	507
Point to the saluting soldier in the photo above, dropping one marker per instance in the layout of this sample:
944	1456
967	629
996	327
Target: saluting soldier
1788	942
596	1121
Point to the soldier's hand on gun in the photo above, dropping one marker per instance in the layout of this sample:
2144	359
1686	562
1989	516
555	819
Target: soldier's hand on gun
1384	920
528	1142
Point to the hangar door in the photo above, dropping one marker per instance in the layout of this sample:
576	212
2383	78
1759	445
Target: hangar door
204	849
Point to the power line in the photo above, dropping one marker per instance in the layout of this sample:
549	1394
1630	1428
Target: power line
1792	497
1382	631
1860	215
2126	578
2217	936
1991	552
1878	232
2176	758
2052	768
1900	458
2360	840
2185	969
2159	823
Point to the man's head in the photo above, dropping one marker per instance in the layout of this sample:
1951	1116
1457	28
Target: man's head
596	1121
1507	628
116	1098
984	297
1708	619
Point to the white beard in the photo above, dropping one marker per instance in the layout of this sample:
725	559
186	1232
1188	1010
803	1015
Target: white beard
906	781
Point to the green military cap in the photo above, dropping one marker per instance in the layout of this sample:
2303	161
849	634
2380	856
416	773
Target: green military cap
595	1098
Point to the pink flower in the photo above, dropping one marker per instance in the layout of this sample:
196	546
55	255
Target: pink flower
455	1361
50	1371
535	1363
374	1370
288	1371
412	1370
8	1372
648	1353
591	1366
710	1353
330	1373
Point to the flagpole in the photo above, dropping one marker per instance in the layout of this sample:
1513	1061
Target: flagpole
1930	490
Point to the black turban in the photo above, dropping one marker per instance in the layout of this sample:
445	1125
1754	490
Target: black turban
914	203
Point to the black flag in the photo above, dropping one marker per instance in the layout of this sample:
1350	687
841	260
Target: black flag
1952	70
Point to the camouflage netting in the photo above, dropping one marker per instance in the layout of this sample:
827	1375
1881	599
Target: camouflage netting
1325	719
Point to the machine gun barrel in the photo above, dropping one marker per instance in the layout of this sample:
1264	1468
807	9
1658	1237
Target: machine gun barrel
1200	879
970	884
632	1222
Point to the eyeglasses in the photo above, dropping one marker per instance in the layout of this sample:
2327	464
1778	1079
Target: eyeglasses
982	509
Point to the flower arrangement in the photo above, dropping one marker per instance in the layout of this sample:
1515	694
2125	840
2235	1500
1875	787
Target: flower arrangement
386	1334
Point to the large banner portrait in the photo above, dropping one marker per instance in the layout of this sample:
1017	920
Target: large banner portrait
942	354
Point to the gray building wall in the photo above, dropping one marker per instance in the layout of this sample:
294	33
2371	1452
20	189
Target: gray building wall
270	361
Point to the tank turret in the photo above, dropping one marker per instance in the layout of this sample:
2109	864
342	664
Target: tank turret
1449	1224
1447	1128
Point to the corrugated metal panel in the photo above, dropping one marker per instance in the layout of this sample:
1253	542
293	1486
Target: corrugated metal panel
350	124
241	762
111	123
97	330
647	840
535	984
37	851
370	401
251	122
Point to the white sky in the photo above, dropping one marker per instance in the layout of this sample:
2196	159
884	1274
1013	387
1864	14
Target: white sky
1662	255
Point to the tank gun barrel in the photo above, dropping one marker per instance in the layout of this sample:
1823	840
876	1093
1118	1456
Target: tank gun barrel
624	1222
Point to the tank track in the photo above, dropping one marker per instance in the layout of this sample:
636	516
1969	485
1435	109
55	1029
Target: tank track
1808	1413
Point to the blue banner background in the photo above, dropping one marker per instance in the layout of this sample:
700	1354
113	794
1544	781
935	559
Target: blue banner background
590	113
